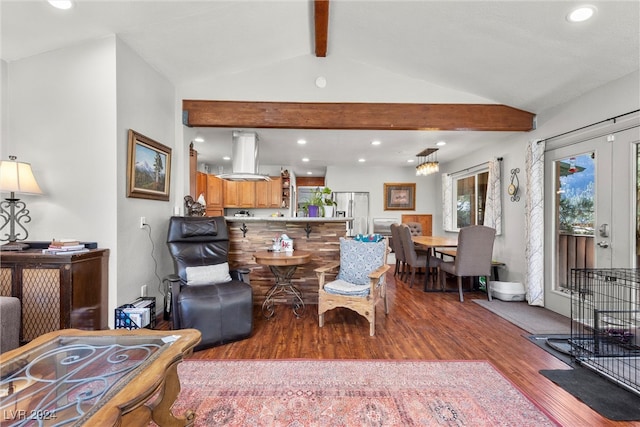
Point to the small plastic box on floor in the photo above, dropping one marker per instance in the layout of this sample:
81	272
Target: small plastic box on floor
507	291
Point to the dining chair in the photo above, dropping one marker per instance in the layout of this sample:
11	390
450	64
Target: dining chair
414	258
415	228
396	246
473	256
360	283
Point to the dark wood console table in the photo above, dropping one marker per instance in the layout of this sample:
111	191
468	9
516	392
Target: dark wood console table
57	291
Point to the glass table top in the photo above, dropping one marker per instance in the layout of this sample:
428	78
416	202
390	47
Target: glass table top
65	380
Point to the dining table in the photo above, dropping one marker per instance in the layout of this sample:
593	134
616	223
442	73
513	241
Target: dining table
430	243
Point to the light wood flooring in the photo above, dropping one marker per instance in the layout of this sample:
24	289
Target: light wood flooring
420	326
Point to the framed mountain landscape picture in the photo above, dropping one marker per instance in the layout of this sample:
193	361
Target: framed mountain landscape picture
148	168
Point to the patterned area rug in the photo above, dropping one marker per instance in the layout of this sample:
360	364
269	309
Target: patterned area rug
349	393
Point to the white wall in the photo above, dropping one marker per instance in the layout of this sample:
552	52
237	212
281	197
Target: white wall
4	111
146	105
68	114
61	119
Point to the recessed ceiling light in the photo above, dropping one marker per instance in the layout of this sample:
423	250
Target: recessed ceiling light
441	143
61	4
198	139
321	82
226	158
410	161
302	141
309	173
376	142
361	160
305	159
581	14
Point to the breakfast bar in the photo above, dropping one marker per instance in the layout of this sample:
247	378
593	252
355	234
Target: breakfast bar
318	236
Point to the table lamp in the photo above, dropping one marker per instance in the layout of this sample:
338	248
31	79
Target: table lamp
15	177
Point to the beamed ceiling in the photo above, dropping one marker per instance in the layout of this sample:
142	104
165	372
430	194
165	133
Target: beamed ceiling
520	57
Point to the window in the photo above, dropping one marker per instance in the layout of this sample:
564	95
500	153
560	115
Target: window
470	195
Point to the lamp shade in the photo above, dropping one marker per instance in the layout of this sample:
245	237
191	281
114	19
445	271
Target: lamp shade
17	177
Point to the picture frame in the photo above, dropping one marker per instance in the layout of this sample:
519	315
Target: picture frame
400	196
148	168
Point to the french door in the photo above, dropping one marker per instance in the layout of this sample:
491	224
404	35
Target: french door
590	192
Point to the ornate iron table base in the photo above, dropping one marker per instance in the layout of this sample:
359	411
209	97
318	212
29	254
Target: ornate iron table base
283	286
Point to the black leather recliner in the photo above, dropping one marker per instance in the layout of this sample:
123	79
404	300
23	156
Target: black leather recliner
222	312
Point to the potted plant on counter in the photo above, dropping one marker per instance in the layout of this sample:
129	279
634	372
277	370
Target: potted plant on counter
313	206
319	203
328	202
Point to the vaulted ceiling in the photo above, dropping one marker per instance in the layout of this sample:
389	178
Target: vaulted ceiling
523	54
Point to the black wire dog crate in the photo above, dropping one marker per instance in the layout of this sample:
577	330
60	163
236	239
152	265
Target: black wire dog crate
605	323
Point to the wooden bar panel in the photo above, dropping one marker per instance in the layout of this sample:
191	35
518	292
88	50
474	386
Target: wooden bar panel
323	242
382	116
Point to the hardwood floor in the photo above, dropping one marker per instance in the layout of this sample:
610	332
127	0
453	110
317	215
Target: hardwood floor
429	326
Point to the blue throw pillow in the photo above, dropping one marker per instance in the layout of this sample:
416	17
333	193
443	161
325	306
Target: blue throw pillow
358	259
368	237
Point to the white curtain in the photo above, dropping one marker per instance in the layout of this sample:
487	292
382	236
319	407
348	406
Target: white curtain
447	202
534	222
493	204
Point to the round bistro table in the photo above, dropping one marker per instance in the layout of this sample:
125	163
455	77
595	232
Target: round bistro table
283	265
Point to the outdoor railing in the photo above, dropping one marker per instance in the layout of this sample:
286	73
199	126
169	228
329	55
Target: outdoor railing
574	251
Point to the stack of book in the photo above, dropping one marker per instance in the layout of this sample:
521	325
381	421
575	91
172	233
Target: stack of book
65	247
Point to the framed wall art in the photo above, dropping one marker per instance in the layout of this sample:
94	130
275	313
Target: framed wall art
148	168
400	196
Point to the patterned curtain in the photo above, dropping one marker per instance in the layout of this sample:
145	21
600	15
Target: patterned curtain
534	222
447	202
493	204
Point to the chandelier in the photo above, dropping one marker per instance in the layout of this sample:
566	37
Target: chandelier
427	162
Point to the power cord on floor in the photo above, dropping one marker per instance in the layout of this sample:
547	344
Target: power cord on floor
155	262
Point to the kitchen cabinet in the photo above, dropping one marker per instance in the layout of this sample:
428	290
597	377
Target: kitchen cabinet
201	185
210	186
269	193
214	197
238	194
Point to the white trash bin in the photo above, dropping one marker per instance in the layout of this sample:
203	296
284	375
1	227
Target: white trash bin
507	291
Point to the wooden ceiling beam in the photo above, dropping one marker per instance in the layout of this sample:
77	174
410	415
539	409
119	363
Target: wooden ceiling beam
372	116
321	26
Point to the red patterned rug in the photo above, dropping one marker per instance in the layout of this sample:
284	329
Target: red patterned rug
352	392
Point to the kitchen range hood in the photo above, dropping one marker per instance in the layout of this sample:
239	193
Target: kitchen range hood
244	152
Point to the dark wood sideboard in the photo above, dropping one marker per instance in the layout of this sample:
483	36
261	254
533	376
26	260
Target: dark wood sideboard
57	291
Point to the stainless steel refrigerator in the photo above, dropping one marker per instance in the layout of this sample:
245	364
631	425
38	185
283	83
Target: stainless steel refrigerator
355	205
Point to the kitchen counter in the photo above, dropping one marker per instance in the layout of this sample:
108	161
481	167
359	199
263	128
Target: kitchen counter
319	236
300	219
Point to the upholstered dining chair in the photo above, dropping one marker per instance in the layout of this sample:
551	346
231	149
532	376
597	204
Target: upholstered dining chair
473	256
414	258
396	246
360	282
415	228
205	294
